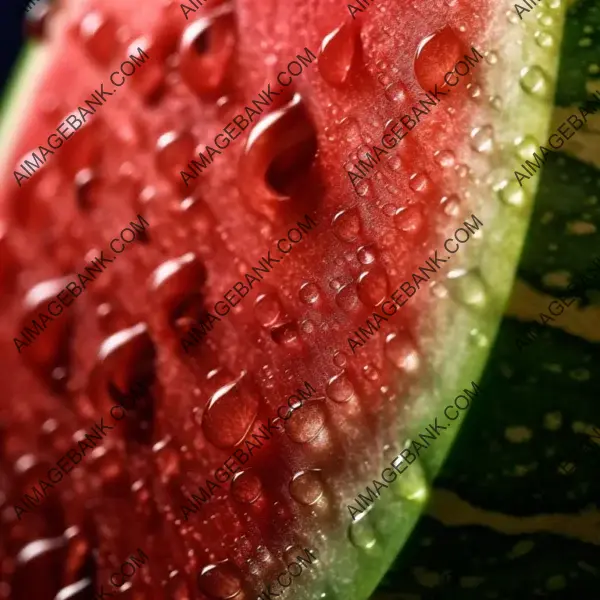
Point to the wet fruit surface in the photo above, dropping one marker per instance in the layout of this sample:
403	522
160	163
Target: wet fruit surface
283	184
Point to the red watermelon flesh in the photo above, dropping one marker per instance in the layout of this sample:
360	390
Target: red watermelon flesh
126	330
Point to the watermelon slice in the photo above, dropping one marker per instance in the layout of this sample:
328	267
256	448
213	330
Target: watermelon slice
148	332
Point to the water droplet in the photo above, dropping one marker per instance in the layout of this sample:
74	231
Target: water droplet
173	152
547	21
436	55
413	484
419	182
37	20
304	425
83	151
206	49
361	533
396	92
148	82
125	368
534	81
246	487
366	255
371	372
222	581
286	334
307	487
526	147
340	389
346	224
346	297
340	360
445	158
469	289
267	309
337	53
482	139
409	219
544	39
88	187
49	354
400	350
373	287
231	412
175	286
513	195
99	36
279	153
309	293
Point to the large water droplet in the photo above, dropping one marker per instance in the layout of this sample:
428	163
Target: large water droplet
124	373
305	424
482	139
222	581
361	533
337	53
346	297
469	289
412	484
173	152
346	224
373	287
246	487
148	81
206	49
49	354
309	293
340	388
277	157
409	219
436	55
534	81
98	33
230	413
176	287
402	353
267	309
307	487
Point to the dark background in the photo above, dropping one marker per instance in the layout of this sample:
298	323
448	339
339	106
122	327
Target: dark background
12	37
